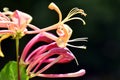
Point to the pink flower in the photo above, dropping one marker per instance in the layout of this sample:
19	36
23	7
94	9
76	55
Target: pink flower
14	24
43	54
63	30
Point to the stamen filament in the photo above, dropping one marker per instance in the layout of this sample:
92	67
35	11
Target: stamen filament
78	39
50	64
82	47
66	20
73	12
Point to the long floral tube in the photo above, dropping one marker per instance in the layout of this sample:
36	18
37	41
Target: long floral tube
39	51
63	56
39	59
42	49
37	38
66	75
3	17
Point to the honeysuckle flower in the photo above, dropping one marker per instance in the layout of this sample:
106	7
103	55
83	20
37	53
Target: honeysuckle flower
56	46
43	54
63	30
14	24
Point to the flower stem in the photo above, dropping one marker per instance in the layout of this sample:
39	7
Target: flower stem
17	57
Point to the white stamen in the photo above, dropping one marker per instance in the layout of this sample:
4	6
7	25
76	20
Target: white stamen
82	47
75	59
78	39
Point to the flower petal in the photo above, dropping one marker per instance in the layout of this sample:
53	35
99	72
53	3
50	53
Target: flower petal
1	53
74	74
21	18
63	56
38	38
40	50
2	37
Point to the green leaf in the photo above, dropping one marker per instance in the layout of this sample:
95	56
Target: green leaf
9	72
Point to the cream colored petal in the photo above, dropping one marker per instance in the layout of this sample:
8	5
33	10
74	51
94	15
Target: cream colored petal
2	37
1	53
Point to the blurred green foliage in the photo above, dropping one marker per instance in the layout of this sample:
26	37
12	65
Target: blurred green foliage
101	59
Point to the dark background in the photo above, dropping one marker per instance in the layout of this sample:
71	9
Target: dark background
102	56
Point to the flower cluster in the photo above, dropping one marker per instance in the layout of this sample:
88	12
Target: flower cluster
43	54
15	24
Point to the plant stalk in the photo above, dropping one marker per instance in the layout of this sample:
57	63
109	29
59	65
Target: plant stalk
17	58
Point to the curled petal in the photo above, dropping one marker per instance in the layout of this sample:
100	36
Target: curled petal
2	37
3	17
53	49
74	74
1	53
38	38
50	64
66	56
40	50
21	18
